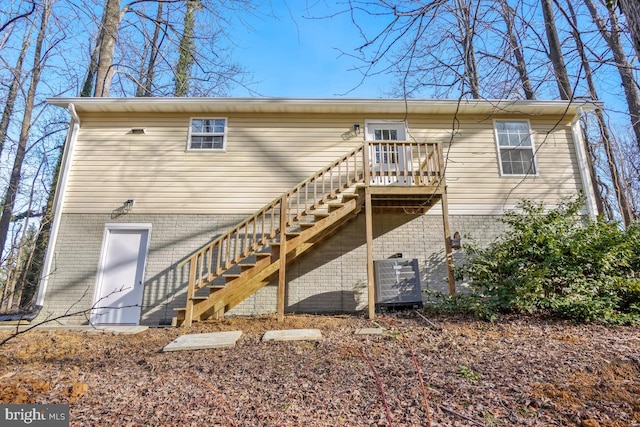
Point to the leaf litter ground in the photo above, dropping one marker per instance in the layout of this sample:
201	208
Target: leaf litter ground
521	371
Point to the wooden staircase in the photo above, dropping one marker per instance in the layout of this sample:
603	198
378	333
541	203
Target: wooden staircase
237	264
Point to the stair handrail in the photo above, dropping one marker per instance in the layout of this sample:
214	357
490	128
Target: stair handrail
201	274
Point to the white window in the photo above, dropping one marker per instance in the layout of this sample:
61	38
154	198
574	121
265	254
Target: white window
515	148
208	134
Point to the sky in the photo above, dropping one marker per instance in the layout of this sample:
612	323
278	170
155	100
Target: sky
298	54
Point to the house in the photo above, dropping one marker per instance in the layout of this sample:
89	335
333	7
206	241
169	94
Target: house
177	209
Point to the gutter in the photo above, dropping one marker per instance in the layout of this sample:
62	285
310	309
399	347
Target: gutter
585	175
359	106
61	188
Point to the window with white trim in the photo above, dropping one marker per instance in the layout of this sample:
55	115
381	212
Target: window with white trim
208	134
515	148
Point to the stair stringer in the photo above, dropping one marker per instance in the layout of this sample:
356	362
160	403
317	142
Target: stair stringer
240	289
221	300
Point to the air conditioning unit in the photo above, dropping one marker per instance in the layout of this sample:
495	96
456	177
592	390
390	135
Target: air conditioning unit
397	283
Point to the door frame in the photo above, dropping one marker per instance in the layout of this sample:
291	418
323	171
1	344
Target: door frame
108	229
401	156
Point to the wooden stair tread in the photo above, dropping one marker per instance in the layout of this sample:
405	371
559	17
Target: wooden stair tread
350	196
254	275
241	288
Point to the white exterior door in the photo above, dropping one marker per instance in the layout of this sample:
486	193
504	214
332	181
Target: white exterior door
119	288
387	160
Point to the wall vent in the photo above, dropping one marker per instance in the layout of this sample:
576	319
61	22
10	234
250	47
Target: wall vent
397	283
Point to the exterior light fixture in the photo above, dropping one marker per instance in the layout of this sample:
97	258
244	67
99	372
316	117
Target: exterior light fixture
356	128
124	209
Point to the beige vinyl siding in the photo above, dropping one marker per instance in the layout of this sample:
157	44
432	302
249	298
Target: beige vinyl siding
264	157
473	174
268	154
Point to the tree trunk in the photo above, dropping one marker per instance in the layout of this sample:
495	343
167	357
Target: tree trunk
89	80
612	37
16	171
466	26
146	86
508	15
183	69
631	11
555	51
30	274
605	138
15	84
109	34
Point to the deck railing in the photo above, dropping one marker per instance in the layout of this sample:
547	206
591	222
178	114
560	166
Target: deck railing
389	163
404	163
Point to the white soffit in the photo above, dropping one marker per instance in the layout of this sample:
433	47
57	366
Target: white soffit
321	106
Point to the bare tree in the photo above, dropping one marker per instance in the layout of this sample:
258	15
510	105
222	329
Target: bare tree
631	10
555	51
185	61
107	43
146	47
148	73
611	35
466	14
16	172
92	69
14	86
604	137
30	10
629	161
508	15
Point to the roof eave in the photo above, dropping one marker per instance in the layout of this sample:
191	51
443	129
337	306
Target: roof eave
322	105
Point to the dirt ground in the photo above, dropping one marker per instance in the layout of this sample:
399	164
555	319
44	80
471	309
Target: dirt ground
439	371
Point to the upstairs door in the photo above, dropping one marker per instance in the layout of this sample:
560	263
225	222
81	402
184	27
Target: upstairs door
119	288
388	159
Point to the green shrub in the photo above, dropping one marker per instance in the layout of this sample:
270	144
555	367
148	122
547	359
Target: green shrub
557	262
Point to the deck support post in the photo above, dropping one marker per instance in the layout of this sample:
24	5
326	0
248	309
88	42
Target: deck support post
188	315
369	232
447	243
282	258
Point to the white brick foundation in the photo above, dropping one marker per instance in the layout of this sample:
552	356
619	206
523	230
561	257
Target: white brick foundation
331	278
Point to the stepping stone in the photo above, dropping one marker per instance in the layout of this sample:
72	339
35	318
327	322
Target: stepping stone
369	331
293	335
204	341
